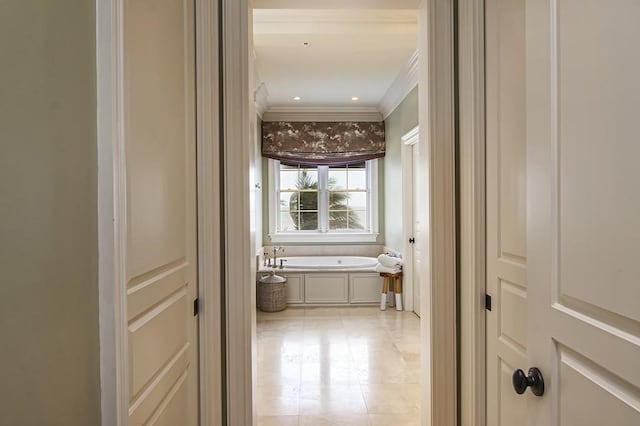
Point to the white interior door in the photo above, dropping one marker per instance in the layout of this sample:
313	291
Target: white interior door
583	216
506	281
419	231
160	261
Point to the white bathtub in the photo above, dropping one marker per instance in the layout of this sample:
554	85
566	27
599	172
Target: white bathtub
329	262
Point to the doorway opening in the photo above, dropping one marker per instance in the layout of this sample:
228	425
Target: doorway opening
328	80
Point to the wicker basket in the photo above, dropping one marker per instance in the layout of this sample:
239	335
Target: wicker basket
272	293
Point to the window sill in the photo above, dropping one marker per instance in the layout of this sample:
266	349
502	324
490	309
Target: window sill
323	237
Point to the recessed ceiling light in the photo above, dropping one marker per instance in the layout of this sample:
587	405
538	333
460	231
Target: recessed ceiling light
355	98
296	98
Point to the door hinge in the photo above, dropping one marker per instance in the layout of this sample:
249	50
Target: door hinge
196	307
487	302
412	240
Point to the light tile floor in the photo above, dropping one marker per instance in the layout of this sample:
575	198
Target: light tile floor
338	366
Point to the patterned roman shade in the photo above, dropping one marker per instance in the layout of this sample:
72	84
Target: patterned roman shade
323	143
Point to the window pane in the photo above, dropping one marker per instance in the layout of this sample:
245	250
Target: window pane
338	219
288	178
309	200
338	200
289	200
286	222
358	219
358	200
337	178
308	221
307	179
357	178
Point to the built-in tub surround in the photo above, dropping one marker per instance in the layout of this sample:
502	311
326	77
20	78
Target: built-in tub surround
329	280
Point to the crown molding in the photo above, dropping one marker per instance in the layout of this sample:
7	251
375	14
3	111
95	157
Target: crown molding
322	114
406	80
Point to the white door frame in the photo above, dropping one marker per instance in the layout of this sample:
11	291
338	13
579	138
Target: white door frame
237	143
472	232
436	40
218	192
437	153
406	153
112	213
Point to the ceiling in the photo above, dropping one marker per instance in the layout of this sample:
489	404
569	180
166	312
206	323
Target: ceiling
336	4
350	53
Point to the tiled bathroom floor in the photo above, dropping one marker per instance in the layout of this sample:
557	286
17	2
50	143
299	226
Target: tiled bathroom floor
338	366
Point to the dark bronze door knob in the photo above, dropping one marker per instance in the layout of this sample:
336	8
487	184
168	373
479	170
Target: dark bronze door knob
534	380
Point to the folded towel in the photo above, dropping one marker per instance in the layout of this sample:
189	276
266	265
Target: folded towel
390	261
387	270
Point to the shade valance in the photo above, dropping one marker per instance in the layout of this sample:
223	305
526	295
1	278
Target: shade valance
323	143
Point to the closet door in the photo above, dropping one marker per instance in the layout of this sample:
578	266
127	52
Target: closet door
159	136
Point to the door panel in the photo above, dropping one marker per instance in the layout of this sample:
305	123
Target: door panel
507	338
159	135
584	205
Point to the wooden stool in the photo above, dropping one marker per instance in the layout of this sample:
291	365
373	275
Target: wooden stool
391	282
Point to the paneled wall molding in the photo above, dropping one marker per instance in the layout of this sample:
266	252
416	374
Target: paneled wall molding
322	114
406	80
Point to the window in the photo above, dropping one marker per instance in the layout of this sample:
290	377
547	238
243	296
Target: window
323	203
298	199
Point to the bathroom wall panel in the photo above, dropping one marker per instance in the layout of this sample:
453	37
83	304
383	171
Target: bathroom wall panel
326	288
295	288
365	288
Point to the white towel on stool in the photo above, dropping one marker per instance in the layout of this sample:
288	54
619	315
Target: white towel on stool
386	270
390	261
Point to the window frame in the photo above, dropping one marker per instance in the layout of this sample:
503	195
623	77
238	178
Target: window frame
323	234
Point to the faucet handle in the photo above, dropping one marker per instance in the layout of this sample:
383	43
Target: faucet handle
281	263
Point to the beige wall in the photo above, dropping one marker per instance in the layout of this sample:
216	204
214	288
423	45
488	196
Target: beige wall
401	120
49	361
